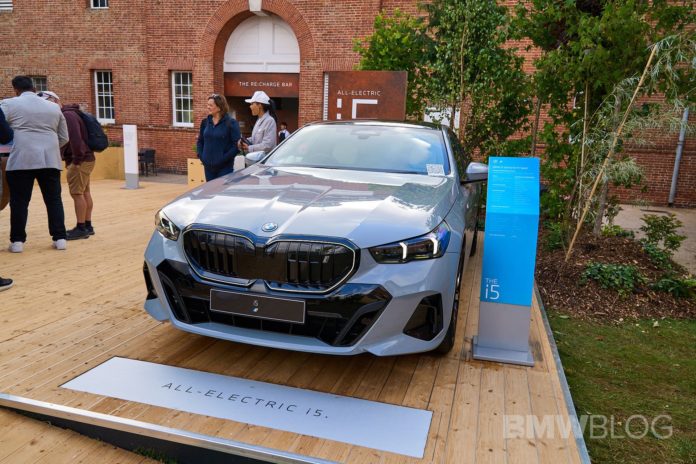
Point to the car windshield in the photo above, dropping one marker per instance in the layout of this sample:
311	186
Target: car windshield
363	147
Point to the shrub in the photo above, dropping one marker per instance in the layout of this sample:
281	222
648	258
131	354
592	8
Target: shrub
616	231
555	236
657	255
676	286
620	277
662	230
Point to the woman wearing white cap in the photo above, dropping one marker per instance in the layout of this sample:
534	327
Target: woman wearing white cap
263	136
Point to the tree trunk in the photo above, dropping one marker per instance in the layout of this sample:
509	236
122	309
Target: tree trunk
535	129
602	200
601	208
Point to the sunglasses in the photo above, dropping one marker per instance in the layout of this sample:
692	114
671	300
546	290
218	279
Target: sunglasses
214	95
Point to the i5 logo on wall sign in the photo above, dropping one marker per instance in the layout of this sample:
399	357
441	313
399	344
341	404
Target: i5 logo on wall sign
365	95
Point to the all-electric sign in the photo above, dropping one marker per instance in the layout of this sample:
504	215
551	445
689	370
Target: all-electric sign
365	95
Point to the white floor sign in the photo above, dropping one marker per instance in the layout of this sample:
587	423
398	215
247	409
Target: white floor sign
359	422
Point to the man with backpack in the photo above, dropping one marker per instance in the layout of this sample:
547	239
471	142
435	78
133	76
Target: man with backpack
79	164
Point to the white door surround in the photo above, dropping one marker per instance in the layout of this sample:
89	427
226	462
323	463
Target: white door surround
262	44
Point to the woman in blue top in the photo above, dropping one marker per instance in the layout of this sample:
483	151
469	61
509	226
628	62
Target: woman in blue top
217	141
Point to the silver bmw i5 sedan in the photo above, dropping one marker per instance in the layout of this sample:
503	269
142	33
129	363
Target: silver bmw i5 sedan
349	237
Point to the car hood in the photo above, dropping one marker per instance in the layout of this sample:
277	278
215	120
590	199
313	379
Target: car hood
368	208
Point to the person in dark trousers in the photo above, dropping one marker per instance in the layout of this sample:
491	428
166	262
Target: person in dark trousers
5	137
217	140
79	163
39	131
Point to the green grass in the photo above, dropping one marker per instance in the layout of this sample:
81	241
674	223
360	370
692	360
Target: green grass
633	368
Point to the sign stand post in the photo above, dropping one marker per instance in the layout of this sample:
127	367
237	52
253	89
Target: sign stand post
509	258
130	155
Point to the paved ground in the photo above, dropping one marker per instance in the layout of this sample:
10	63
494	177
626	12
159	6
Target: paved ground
630	218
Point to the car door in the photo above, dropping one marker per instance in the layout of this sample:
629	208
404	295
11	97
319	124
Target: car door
469	192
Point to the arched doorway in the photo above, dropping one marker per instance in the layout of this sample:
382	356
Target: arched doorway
262	53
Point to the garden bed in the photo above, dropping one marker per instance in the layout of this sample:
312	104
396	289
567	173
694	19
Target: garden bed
564	289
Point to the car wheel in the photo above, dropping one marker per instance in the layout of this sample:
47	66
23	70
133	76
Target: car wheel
472	252
448	342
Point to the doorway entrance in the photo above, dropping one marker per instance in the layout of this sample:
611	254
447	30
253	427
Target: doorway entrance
263	54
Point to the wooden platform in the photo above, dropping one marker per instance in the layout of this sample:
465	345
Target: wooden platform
70	311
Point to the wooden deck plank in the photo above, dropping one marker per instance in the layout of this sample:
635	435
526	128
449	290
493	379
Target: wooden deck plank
462	433
490	447
521	449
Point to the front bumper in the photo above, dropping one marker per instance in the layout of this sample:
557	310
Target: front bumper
368	313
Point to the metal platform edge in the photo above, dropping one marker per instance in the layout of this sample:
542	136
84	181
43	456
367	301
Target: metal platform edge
577	430
156	433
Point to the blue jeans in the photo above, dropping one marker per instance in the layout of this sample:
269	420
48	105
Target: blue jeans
211	173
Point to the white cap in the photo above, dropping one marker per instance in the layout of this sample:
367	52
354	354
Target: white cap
47	93
259	97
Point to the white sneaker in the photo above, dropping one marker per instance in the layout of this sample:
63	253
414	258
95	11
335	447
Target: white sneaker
16	247
60	244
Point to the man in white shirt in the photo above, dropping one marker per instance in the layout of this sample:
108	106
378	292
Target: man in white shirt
39	131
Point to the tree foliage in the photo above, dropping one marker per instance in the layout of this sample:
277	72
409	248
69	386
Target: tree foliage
593	52
400	43
472	69
456	60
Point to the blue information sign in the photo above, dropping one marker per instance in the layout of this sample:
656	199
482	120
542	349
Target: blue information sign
512	216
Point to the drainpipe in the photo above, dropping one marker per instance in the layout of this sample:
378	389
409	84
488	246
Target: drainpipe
677	160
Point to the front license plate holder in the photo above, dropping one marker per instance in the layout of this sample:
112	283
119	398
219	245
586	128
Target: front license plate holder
258	306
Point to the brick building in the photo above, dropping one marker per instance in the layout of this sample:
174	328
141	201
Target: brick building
153	63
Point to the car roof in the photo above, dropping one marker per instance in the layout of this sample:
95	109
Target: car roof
377	122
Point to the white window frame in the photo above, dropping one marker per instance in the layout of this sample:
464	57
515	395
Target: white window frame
6	5
175	120
97	94
44	78
92	2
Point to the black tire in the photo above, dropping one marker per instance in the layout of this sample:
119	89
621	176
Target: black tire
448	342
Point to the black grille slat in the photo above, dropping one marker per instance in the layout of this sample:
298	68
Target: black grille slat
297	265
315	263
303	259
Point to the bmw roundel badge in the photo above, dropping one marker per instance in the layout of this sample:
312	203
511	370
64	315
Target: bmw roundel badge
269	227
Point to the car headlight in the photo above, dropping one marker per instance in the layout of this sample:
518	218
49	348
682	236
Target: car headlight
166	227
428	246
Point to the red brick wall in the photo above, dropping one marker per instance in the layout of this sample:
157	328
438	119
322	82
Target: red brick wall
142	41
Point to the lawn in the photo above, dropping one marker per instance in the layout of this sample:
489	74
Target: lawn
638	367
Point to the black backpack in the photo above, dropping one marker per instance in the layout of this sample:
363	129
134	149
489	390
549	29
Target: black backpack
96	138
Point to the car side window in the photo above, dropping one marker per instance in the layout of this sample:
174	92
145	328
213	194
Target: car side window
460	157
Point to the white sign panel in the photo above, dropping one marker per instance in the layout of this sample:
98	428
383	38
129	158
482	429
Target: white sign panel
130	148
386	427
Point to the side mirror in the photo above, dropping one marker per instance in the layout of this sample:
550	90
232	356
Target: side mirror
476	172
254	157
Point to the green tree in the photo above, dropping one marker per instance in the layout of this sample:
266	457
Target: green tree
473	70
592	54
457	60
400	43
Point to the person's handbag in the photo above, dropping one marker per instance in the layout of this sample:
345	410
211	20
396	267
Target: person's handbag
4	188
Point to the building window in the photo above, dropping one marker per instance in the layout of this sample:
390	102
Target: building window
40	83
104	91
5	5
100	3
182	96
